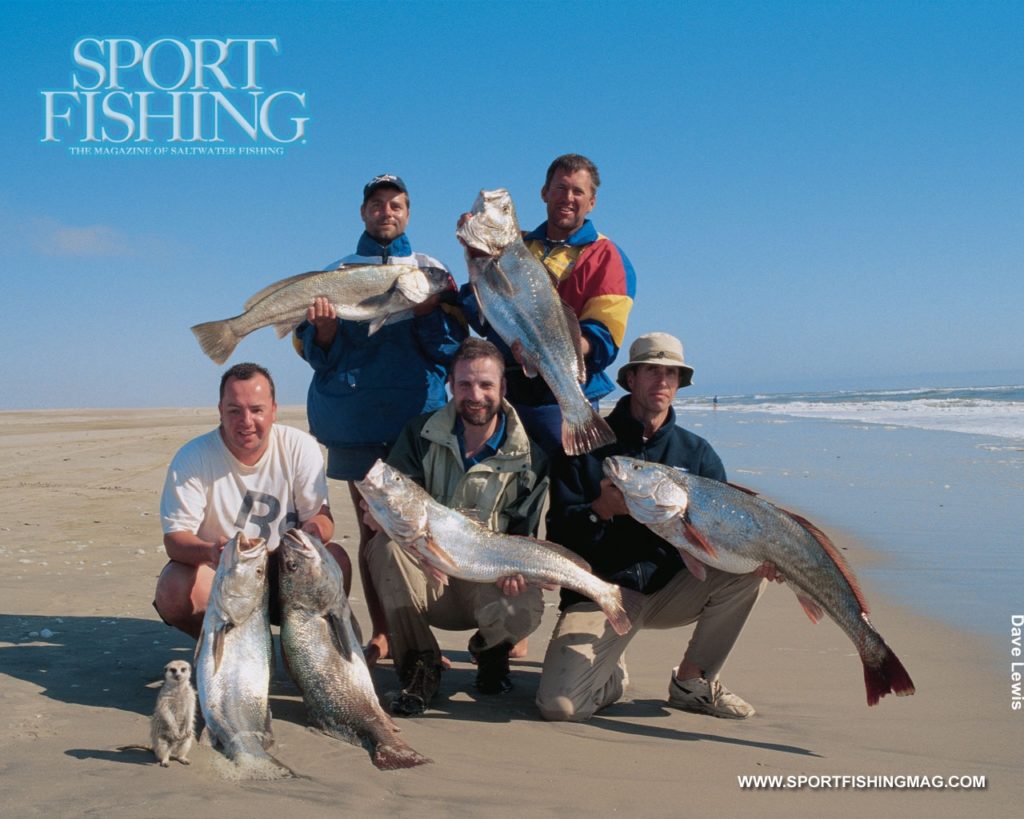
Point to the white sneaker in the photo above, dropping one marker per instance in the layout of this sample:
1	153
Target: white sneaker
703	697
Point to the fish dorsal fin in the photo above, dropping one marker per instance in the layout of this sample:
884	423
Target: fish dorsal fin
573	323
697	539
273	288
748	491
831	550
491	272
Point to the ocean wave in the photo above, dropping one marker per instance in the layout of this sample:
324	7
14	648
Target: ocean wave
993	411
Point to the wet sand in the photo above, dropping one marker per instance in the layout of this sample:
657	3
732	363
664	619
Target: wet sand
81	648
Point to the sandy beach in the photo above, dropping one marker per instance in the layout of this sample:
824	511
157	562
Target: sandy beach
81	647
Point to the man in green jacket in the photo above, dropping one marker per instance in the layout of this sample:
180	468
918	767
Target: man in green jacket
472	455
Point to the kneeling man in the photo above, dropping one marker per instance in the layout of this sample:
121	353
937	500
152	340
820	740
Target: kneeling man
472	455
585	668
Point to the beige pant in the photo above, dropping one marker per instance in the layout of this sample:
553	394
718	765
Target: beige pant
585	668
413	603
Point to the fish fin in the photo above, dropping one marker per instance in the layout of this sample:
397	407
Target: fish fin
285	328
413	285
491	272
586	436
813	611
576	335
833	552
437	556
614	608
750	492
273	288
695	566
394	755
339	634
890	676
218	647
376	324
697	539
217	339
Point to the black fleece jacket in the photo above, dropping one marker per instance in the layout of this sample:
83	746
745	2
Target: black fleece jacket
622	550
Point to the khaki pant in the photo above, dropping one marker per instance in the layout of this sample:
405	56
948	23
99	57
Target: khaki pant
585	668
413	603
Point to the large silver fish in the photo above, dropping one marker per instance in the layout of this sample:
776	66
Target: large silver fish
516	296
324	654
233	661
729	529
374	293
458	546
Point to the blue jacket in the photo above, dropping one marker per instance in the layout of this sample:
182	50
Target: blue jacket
622	550
365	387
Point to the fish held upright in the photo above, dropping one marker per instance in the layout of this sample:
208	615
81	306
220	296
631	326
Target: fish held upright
732	530
325	657
233	658
516	297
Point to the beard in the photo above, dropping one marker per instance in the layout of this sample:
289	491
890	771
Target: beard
477	415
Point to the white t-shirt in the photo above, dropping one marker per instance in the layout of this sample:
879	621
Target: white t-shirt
209	493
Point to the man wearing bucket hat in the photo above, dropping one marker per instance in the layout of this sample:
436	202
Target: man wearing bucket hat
365	387
584	668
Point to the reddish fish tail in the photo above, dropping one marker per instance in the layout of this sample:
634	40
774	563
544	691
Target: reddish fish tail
396	755
621	607
585	436
890	676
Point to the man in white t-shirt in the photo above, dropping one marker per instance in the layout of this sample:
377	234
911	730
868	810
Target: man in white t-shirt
249	474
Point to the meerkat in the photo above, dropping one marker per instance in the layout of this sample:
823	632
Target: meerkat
173	724
172	728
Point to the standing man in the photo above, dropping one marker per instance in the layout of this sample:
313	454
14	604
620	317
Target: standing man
593	277
249	474
584	668
365	387
472	455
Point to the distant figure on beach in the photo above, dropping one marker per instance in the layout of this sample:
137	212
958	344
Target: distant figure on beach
472	455
585	668
249	474
594	279
715	402
365	387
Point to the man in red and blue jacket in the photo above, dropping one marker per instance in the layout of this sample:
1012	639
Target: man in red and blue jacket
593	277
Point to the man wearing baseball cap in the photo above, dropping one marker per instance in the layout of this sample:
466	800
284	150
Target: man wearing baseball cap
584	668
365	387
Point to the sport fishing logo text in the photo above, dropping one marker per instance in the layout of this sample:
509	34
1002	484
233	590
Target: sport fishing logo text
173	91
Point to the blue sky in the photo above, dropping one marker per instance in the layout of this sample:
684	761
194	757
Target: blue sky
814	195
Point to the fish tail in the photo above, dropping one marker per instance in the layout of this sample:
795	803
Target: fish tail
217	339
889	676
621	606
580	437
394	755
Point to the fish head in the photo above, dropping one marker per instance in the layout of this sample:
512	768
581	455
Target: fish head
654	493
241	577
396	501
309	577
492	224
419	284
